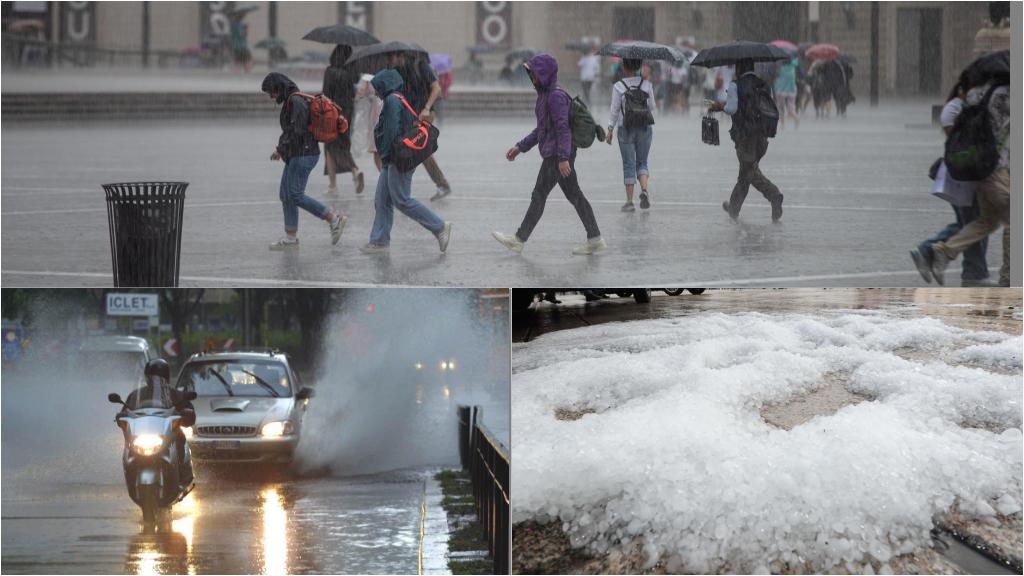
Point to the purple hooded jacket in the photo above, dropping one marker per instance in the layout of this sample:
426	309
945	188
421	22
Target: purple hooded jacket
552	111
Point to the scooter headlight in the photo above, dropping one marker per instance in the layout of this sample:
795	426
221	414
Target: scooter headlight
276	429
147	444
187	431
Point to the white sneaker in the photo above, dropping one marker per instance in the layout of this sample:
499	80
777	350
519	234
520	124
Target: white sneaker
285	243
444	236
373	249
593	246
510	241
337	225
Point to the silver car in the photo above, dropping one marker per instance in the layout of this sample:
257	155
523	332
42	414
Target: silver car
249	406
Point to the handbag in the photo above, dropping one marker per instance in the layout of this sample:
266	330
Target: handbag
417	144
709	130
956	192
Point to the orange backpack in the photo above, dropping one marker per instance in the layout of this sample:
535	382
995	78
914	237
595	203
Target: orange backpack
326	121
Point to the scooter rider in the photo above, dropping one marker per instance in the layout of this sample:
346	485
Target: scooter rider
158	384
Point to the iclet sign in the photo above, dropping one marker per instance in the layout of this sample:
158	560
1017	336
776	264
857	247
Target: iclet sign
120	304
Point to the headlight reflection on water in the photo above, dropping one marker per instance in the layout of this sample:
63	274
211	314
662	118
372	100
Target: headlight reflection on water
275	533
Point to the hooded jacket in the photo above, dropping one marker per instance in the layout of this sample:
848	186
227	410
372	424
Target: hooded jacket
552	112
296	139
340	80
394	119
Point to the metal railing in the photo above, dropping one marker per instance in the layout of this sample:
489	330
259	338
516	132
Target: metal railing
488	464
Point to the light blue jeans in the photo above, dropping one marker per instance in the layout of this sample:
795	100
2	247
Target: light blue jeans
634	145
394	189
293	191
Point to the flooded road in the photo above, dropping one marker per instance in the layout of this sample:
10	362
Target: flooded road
228	525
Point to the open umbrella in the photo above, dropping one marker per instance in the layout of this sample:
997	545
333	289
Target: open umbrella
341	34
641	50
373	58
441	63
270	43
823	52
731	53
786	45
994	66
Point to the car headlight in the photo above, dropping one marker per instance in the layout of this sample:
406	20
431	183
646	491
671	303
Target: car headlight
187	431
277	429
148	444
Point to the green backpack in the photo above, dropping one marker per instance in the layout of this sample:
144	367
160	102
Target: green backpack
581	123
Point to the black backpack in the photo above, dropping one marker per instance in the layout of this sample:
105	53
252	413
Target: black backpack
635	111
757	106
418	143
972	152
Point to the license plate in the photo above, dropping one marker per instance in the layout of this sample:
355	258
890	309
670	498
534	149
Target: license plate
226	445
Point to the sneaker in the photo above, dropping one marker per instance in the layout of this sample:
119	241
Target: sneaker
373	249
337	225
777	209
444	236
939	264
728	210
924	267
510	241
442	191
285	243
628	207
645	200
331	191
593	246
360	182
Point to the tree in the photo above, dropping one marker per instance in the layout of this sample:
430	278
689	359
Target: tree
180	304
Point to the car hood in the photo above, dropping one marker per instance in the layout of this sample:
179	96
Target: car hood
241	411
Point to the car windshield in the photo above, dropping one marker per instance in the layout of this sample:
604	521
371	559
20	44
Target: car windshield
156	393
236	378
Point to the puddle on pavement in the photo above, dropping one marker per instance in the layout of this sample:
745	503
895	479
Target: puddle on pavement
570	414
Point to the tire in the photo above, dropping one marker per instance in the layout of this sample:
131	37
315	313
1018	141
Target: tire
696	291
642	296
521	300
148	501
673	291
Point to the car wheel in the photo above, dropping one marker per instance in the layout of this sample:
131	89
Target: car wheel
642	296
673	291
696	291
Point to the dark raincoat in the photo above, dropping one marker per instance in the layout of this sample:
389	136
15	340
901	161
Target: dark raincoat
296	139
339	86
552	112
394	119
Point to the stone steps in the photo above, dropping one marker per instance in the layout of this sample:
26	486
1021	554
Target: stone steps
186	105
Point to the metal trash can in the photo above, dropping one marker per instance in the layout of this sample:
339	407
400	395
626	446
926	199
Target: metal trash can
145	232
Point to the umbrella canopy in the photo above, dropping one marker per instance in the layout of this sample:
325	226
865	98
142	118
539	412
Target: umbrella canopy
441	63
373	58
994	66
786	45
270	43
641	50
734	52
823	52
341	34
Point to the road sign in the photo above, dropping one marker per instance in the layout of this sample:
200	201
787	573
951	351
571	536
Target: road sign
12	343
127	304
170	347
229	344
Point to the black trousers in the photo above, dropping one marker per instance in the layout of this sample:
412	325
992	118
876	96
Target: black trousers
749	151
546	180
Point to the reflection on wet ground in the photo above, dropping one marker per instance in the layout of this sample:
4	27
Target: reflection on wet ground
233	525
973	309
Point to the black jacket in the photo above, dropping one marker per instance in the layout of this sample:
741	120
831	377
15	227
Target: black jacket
296	139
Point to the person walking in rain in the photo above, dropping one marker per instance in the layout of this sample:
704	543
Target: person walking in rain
750	139
300	152
632	110
422	89
590	68
394	187
785	92
340	86
552	137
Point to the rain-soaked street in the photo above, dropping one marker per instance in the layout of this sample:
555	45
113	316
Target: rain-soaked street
232	525
857	199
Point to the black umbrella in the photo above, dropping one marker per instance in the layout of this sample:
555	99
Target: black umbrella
341	34
731	53
641	50
373	58
994	66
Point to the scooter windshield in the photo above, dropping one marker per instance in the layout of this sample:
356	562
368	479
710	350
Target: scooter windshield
155	393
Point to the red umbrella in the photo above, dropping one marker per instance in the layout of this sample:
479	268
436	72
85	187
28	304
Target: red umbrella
786	45
822	52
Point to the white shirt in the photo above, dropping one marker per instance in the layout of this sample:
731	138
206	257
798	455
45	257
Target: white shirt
589	65
950	111
615	112
678	74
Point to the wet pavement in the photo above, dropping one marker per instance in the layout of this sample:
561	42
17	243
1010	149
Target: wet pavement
231	525
975	309
857	199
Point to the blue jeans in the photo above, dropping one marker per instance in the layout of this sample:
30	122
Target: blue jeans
293	191
634	144
975	266
394	189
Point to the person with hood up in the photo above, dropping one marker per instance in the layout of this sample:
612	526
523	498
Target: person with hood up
340	86
300	152
554	140
394	187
